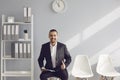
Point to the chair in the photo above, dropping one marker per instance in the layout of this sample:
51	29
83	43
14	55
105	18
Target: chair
81	68
105	68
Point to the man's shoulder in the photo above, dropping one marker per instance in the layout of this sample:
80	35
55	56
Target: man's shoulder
45	44
62	44
58	43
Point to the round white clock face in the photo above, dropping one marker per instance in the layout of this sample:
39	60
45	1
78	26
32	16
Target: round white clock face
58	5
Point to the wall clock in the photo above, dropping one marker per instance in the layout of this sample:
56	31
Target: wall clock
59	6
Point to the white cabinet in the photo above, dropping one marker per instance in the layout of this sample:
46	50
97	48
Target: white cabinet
17	50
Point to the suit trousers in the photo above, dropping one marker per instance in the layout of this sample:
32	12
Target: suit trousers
62	74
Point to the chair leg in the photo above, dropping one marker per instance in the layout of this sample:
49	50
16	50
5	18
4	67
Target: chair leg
86	78
77	78
112	78
106	78
101	78
83	79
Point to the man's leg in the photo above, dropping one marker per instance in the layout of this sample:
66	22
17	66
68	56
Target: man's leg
62	74
46	74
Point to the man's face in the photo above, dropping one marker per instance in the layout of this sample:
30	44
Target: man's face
53	36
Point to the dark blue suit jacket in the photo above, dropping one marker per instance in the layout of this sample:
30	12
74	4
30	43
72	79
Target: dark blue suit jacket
62	54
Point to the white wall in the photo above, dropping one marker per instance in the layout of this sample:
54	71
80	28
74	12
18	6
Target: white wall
89	27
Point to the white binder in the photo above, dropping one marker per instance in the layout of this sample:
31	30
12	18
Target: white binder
29	50
16	50
25	50
20	50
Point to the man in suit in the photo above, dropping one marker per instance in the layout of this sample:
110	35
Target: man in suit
56	56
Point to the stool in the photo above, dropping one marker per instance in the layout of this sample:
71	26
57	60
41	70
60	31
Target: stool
53	78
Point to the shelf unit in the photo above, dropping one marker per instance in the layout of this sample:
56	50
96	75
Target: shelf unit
6	57
17	73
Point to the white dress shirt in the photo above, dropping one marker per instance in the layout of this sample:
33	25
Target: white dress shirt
53	54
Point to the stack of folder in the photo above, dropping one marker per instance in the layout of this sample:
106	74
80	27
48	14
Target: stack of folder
20	50
10	32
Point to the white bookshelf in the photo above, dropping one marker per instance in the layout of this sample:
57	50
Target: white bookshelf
16	73
27	50
15	23
19	40
9	58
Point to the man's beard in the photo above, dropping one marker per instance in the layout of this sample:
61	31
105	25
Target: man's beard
53	40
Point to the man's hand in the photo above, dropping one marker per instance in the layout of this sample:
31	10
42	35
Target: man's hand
63	66
43	69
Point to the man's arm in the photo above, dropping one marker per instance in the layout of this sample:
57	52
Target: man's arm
41	58
67	57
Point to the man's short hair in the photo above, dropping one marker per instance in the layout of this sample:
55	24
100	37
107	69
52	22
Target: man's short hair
53	30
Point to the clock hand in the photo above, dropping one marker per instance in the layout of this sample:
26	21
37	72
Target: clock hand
58	3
